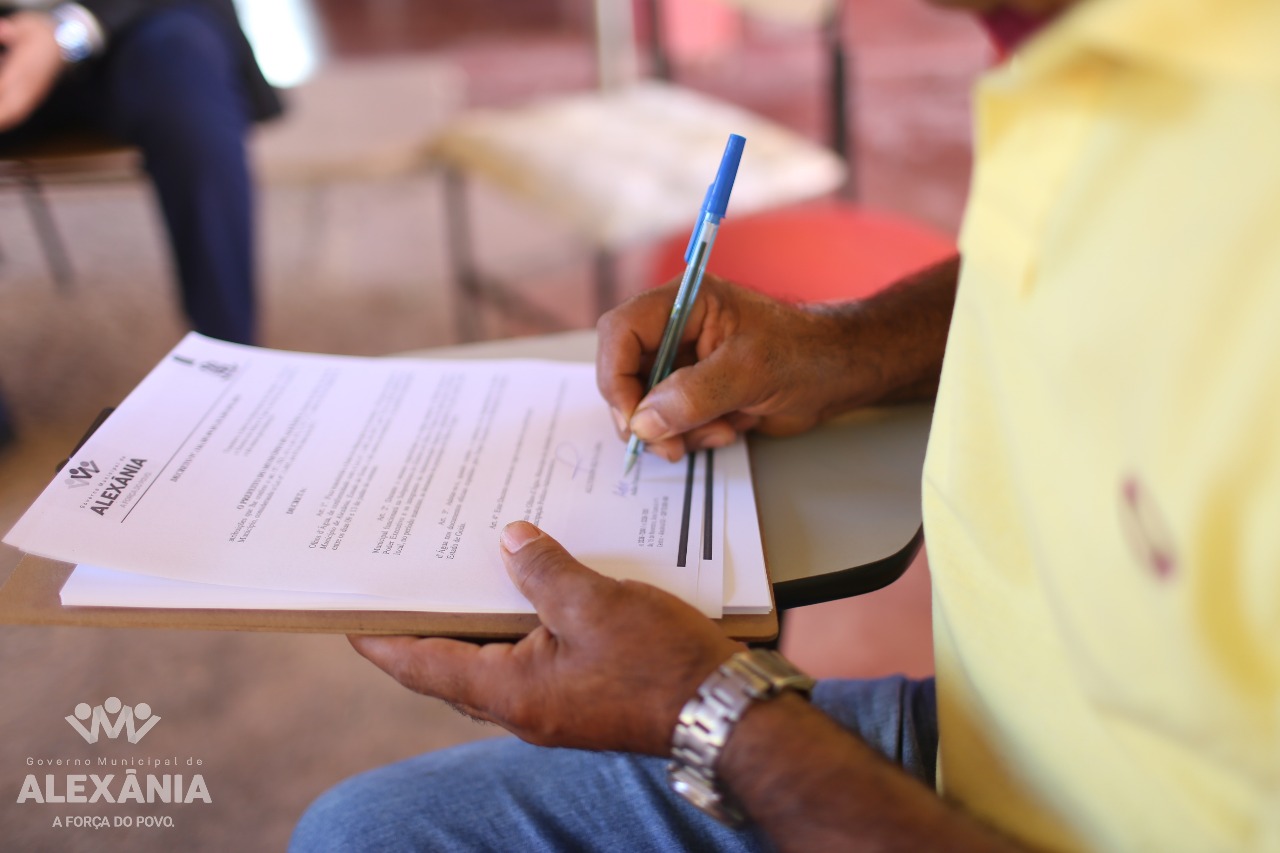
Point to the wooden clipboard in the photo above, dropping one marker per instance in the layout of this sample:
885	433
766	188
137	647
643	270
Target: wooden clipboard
31	597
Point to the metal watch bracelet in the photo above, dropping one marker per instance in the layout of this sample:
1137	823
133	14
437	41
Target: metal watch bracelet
707	720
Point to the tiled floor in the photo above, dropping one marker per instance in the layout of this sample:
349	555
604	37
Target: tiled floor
275	718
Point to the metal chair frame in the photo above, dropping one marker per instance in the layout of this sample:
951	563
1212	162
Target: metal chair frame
23	175
64	158
615	60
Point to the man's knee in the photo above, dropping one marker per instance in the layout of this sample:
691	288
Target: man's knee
427	802
175	73
177	36
347	817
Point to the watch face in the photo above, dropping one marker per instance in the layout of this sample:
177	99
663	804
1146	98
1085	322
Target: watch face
73	40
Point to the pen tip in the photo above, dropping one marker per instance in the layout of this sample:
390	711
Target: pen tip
629	464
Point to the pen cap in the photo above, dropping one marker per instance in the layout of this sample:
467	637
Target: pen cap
718	197
716	201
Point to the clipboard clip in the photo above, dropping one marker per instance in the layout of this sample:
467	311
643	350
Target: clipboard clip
93	427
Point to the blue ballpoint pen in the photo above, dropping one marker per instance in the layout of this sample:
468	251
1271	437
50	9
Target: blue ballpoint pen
713	210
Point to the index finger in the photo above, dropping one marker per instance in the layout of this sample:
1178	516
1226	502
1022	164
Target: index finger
627	339
452	670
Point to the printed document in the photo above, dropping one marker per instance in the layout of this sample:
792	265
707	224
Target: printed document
261	478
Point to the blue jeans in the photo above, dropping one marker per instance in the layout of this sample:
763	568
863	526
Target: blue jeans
505	795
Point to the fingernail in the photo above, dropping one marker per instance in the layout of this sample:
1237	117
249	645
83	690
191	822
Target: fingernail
716	440
619	420
671	452
517	534
649	425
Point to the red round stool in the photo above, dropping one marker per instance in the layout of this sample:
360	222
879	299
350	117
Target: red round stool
817	252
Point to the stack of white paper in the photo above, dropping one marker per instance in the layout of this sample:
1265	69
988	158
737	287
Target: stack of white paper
238	477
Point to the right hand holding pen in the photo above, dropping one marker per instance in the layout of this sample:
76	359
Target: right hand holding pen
748	362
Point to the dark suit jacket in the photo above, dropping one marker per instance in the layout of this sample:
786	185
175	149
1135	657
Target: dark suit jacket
116	16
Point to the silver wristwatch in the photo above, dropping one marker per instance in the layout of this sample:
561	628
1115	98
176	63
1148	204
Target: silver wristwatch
707	720
76	31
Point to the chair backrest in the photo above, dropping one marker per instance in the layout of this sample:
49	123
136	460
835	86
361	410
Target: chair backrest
616	53
618	62
816	13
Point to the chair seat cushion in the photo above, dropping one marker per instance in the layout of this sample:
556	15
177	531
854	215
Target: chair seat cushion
70	156
633	163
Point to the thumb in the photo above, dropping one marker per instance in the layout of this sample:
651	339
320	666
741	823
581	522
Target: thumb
697	394
553	581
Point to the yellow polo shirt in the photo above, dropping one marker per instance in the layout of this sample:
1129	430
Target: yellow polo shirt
1102	487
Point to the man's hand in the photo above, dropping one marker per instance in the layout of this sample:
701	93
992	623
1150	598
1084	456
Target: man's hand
29	65
609	668
750	362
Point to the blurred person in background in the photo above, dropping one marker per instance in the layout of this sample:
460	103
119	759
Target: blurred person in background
178	80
